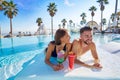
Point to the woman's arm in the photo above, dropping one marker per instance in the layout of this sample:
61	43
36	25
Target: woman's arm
47	58
48	54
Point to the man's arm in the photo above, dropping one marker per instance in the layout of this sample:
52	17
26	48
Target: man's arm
83	64
76	51
95	56
94	53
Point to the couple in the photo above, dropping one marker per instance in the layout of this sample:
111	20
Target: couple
79	47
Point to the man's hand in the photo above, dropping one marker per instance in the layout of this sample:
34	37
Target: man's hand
97	66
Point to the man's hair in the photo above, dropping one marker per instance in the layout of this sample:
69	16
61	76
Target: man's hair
86	28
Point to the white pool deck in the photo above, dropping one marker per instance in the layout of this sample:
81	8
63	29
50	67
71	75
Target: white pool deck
109	55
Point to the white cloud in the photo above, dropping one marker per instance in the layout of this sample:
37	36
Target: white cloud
68	3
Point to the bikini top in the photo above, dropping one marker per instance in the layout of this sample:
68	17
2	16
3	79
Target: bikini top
54	54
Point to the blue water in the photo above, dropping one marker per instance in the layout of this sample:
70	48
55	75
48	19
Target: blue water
10	46
16	52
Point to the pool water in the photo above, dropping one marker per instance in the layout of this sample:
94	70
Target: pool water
16	52
15	45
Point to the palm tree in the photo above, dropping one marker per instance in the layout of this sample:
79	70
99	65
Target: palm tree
3	3
83	21
70	22
0	32
102	7
59	25
39	21
104	21
83	15
73	24
63	22
116	7
92	9
112	17
2	7
116	14
52	10
10	11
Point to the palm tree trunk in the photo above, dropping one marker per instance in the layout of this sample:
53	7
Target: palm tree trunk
11	26
92	21
39	30
63	25
0	31
101	19
52	26
116	6
92	26
115	17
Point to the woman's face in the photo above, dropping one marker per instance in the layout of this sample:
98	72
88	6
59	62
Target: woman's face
65	38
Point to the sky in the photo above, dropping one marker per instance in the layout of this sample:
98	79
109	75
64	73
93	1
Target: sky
30	10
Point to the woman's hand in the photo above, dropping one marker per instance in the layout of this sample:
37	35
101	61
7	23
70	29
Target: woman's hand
61	66
57	67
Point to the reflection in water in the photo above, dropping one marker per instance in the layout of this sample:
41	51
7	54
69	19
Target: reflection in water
45	39
11	49
102	41
1	46
12	46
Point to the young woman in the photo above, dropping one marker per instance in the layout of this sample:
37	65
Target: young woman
61	42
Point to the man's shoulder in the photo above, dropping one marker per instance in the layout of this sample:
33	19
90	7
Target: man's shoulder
92	45
76	41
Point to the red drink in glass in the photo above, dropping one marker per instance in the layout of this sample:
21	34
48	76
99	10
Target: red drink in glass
71	58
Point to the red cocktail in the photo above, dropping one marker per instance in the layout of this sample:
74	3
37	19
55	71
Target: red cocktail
71	58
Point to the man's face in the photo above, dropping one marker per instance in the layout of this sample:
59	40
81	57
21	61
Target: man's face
86	37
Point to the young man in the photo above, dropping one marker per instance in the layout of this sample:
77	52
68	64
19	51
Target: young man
85	44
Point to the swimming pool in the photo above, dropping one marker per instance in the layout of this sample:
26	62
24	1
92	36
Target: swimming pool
16	53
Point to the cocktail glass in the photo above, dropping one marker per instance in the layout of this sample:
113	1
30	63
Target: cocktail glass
71	58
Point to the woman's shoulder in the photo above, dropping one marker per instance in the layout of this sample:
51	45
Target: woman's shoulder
51	44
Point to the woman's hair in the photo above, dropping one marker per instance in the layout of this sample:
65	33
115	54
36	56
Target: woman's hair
58	35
